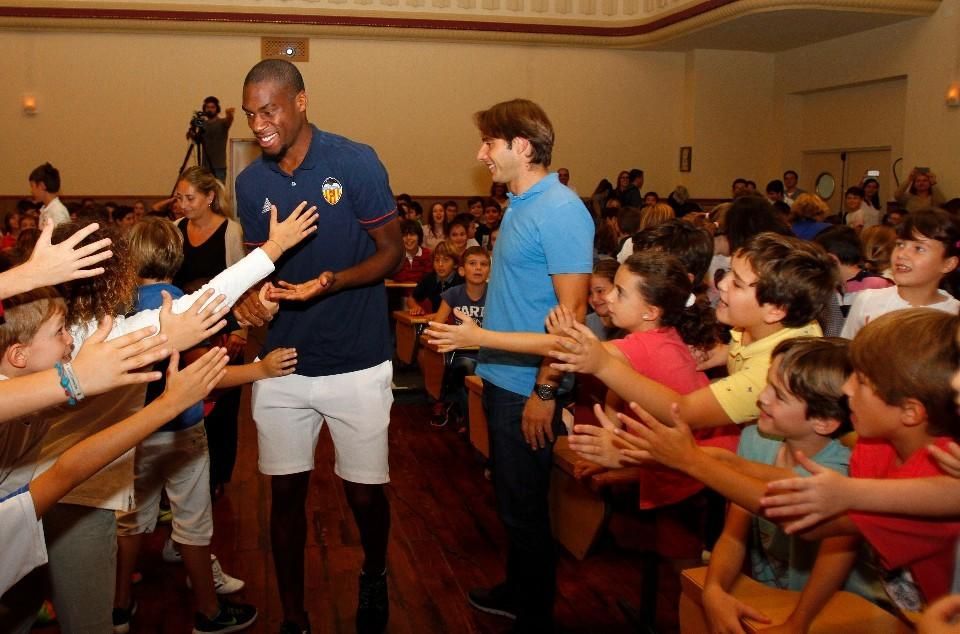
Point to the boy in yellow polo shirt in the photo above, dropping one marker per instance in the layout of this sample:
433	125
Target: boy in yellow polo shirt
773	291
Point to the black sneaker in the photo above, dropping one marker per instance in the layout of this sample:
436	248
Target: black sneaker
495	600
121	618
289	627
373	607
232	617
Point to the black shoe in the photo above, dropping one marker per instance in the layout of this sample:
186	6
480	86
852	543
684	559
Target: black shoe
373	606
232	617
121	618
495	600
289	627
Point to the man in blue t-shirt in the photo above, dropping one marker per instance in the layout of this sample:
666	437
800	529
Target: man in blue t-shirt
333	310
543	257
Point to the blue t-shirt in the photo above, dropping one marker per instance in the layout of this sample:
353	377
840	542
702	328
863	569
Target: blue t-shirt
148	296
348	330
457	297
545	231
779	560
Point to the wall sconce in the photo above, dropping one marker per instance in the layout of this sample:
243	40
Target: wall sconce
953	95
29	103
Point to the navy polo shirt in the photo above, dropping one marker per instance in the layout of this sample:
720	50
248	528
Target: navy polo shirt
348	330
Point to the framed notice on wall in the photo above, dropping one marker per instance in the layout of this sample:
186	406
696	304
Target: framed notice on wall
686	158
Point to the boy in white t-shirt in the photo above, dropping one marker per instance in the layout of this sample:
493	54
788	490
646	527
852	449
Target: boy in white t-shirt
926	251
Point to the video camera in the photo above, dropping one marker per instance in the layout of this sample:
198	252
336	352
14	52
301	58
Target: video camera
198	122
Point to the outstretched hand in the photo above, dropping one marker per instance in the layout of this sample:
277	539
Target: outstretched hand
598	444
582	351
202	320
559	319
947	459
670	445
808	501
193	383
103	365
288	233
285	291
52	264
450	337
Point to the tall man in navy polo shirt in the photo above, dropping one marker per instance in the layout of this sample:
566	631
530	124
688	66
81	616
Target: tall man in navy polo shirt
333	310
544	256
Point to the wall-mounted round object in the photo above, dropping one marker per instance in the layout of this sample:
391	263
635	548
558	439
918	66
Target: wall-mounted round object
826	184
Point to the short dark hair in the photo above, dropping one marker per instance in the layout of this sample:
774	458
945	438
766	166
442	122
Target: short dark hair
519	118
775	187
473	200
48	175
692	245
635	173
473	251
843	242
814	369
214	101
854	190
794	274
122	212
408	227
748	216
933	224
462	220
742	181
911	353
279	71
795	175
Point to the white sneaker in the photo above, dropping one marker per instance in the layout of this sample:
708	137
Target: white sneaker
222	582
170	553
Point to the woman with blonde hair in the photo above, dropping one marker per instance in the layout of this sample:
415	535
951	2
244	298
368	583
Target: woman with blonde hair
807	214
212	241
650	216
878	242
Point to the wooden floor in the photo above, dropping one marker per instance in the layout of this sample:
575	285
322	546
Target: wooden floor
445	539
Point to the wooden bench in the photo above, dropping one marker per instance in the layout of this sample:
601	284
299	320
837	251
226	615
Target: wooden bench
431	365
577	514
407	329
479	435
845	613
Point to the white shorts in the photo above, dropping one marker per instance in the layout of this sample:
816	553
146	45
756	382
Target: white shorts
178	462
290	410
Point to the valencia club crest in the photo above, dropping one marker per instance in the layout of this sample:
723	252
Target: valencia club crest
332	190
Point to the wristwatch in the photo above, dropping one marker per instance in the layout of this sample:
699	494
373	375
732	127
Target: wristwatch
545	391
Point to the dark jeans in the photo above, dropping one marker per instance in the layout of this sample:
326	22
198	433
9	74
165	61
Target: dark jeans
457	366
521	480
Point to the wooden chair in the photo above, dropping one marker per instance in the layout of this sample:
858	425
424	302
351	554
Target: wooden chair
479	435
845	613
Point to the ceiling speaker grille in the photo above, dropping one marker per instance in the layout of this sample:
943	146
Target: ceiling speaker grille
294	49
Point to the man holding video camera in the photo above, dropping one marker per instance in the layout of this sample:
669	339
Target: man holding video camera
210	130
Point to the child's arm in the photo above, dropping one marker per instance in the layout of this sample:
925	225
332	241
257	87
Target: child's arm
449	337
835	559
91	454
443	313
51	264
583	352
278	362
942	617
100	367
826	494
723	611
235	280
675	447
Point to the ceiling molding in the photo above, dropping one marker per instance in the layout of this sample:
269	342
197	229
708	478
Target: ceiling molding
604	23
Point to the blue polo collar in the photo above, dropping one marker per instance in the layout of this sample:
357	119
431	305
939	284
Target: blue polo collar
311	158
537	188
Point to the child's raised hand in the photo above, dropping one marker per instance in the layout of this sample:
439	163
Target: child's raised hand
202	320
103	365
670	445
449	337
280	362
808	501
597	444
582	351
193	383
294	228
52	264
948	459
559	318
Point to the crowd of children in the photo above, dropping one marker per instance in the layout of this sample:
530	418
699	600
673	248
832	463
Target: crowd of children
838	455
816	504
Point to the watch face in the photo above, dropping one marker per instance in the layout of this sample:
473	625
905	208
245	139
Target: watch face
546	392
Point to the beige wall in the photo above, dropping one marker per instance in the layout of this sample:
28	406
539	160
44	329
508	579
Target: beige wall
913	61
114	107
